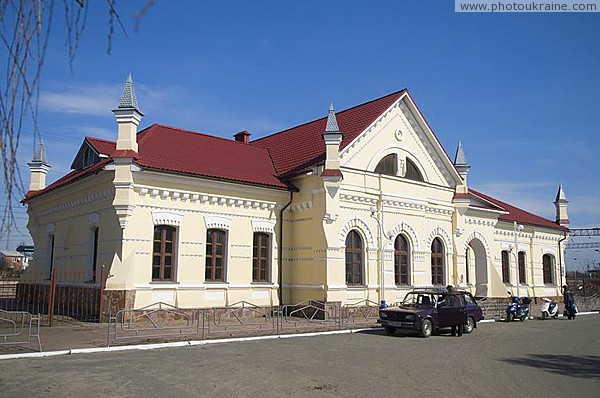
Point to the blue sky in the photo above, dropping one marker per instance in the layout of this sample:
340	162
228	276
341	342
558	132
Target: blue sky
521	91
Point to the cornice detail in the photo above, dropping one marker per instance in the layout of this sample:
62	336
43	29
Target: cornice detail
106	194
301	206
480	221
211	199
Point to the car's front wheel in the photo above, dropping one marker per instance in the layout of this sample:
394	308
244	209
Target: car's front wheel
426	328
390	330
470	326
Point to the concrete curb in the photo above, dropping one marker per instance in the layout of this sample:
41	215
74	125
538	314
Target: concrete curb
191	343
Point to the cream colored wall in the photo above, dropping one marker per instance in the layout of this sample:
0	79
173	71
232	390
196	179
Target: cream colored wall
420	211
191	204
70	213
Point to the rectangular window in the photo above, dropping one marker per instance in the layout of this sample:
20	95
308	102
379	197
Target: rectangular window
50	260
522	277
260	257
215	256
95	255
163	253
505	267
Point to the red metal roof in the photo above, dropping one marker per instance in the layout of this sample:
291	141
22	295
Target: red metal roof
266	161
70	177
103	147
300	148
182	151
516	214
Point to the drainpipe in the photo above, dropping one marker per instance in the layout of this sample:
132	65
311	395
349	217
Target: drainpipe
280	251
560	260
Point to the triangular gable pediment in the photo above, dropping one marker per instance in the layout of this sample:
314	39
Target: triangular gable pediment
86	155
401	129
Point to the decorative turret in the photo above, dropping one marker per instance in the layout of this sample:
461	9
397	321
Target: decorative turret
128	117
562	218
333	138
460	163
39	168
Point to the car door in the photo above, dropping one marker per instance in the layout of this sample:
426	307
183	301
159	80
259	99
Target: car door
452	311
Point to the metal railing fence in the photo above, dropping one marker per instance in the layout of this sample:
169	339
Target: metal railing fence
163	321
60	295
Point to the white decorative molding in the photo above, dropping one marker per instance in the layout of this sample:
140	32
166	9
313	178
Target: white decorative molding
94	220
361	226
406	229
330	218
356	198
480	237
547	250
439	232
166	217
480	221
263	226
217	222
398	134
211	199
434	157
77	203
301	206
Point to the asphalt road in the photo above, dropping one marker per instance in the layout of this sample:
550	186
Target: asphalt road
552	358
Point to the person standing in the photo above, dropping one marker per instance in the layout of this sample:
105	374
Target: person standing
569	302
452	300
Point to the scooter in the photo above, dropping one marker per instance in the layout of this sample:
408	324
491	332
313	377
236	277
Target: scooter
518	308
549	308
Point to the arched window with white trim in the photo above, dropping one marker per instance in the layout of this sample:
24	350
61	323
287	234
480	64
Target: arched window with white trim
401	260
437	262
354	258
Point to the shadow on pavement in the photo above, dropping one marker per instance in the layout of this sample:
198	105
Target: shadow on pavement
570	365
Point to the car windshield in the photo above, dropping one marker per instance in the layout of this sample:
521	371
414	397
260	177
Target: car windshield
415	299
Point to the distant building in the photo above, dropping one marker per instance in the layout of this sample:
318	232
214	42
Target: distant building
11	261
359	206
27	252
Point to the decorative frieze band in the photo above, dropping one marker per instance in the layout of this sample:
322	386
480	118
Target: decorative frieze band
397	204
204	198
77	203
302	206
481	221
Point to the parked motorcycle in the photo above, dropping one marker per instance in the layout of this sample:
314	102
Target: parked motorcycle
549	308
518	308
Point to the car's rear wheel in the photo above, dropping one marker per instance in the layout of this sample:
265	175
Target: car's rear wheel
470	326
390	330
426	328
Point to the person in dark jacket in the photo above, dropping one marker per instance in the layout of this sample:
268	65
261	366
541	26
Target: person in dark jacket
569	302
452	301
